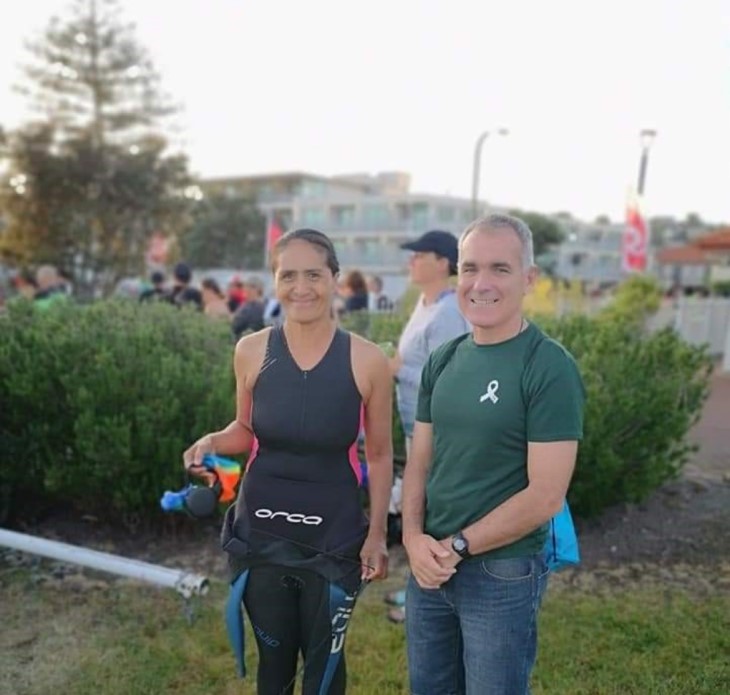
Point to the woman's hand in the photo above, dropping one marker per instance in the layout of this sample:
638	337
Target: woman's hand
374	557
193	459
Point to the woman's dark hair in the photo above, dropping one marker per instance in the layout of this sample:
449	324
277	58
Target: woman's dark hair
213	286
311	236
355	280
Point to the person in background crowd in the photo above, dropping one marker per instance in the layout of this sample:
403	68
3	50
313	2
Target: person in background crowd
51	287
378	301
250	317
236	294
355	291
157	291
25	284
182	293
435	319
214	301
273	315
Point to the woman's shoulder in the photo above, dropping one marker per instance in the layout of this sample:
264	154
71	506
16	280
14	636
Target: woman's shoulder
253	343
367	352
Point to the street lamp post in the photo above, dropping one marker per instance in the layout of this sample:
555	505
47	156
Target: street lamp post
477	166
646	138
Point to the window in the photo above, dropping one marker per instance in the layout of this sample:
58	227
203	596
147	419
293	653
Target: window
445	213
342	215
313	189
420	214
374	214
373	252
313	215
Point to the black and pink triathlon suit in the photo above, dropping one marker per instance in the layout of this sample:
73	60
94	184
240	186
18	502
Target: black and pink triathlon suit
295	533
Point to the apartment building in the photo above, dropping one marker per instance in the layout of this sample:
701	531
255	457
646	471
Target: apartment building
590	252
367	217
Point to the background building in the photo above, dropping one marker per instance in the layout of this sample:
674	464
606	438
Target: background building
590	252
367	217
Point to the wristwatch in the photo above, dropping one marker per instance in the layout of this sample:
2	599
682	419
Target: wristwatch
460	545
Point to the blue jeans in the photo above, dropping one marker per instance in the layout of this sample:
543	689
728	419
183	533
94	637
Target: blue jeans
476	634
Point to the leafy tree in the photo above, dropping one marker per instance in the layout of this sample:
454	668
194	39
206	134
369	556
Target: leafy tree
89	182
694	220
89	77
603	219
546	231
226	232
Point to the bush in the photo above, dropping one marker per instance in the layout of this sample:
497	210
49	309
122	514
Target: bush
721	288
99	402
643	393
635	300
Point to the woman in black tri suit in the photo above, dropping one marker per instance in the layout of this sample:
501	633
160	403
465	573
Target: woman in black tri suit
299	544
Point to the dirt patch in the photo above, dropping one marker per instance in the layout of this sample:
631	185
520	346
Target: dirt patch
678	537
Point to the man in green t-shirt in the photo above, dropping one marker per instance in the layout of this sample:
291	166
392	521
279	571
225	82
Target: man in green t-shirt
500	414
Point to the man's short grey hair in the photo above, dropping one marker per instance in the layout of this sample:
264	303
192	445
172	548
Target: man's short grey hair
497	221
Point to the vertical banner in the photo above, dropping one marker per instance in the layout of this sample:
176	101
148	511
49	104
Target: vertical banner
635	240
274	232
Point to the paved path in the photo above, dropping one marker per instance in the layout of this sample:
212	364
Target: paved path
712	432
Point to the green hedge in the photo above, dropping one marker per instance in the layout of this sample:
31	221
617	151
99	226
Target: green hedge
97	403
644	392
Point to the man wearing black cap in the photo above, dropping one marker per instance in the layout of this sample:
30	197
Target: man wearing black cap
435	320
182	293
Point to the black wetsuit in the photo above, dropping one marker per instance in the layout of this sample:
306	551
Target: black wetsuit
298	525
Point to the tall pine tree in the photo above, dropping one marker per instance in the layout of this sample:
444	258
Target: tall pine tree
92	178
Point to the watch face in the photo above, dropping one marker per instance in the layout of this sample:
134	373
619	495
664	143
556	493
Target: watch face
459	545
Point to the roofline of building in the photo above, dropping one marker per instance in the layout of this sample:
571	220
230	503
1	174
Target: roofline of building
285	175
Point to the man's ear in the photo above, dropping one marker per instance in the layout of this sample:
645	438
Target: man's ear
533	273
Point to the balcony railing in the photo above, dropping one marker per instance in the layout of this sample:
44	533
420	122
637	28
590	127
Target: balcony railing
412	226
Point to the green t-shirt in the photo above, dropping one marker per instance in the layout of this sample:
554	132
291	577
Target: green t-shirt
486	402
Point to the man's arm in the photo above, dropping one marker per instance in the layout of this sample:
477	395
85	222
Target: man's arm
549	469
424	552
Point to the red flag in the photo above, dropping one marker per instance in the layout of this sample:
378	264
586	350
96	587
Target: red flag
274	232
635	240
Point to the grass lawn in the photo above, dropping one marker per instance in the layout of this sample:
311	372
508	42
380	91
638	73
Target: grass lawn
125	639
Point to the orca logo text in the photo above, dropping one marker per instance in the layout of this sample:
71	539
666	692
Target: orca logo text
295	518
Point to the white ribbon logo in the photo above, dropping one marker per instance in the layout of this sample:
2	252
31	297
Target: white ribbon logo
491	394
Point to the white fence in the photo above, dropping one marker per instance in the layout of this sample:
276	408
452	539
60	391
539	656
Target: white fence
700	321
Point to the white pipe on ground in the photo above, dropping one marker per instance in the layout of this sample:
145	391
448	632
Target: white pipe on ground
183	582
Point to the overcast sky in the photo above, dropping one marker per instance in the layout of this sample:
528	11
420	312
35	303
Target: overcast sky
335	86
